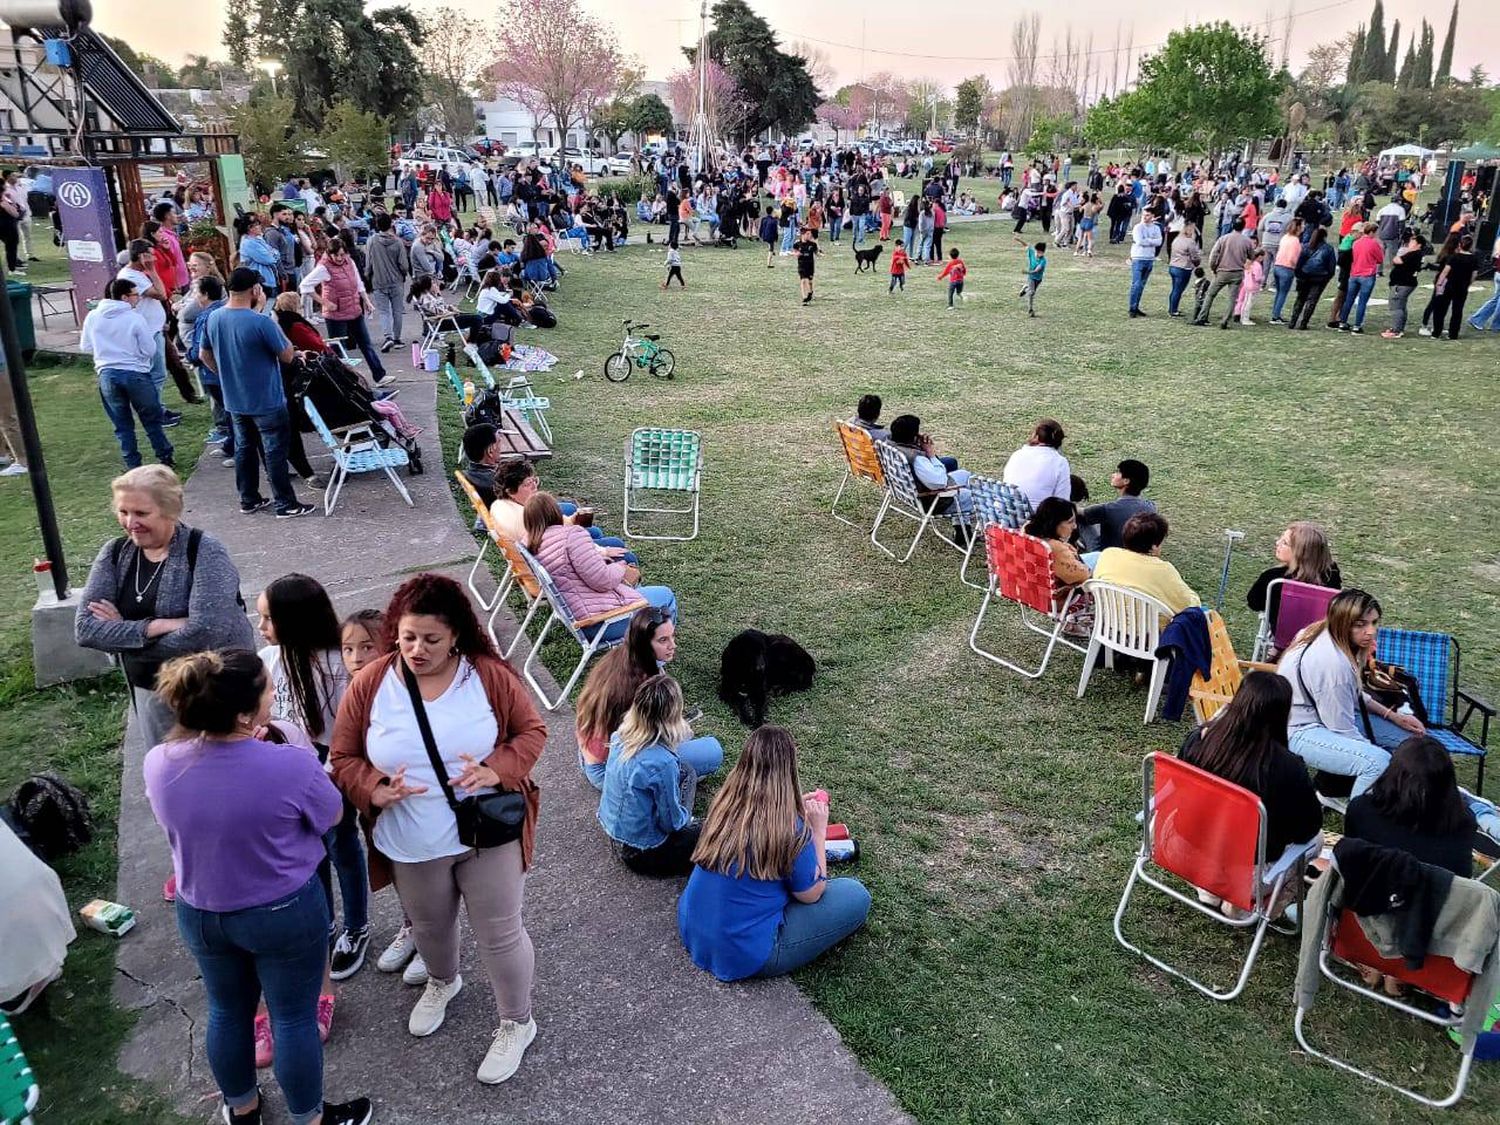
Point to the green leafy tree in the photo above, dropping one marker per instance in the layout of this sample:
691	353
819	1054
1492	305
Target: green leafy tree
1421	75
1445	60
1209	87
776	90
968	103
1105	126
270	140
612	119
356	140
239	33
649	115
1408	65
1393	53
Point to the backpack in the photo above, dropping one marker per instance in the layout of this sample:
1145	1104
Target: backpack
50	816
195	537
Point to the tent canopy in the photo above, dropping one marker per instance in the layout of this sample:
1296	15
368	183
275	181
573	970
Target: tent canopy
1478	152
1407	150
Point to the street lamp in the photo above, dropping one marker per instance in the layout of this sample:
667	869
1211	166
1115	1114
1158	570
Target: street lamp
272	67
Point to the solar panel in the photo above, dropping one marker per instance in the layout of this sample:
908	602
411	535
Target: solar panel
113	86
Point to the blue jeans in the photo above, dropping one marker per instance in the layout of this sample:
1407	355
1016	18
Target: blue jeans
909	239
346	857
1281	278
858	237
1347	756
278	949
124	391
659	596
267	436
159	365
835	224
357	332
1356	299
924	246
810	929
1140	271
1488	314
1181	276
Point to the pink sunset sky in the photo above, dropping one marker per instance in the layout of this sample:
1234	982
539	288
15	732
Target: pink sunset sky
946	43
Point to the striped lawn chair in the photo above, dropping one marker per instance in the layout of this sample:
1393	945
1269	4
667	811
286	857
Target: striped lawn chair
660	460
356	450
1433	660
995	502
1020	567
905	497
1226	672
861	463
19	1092
518	393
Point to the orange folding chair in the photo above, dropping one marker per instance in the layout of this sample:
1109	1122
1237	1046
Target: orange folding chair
1211	834
482	514
1225	673
1020	568
859	452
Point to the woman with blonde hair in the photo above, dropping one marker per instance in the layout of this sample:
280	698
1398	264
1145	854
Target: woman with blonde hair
646	803
759	902
1302	555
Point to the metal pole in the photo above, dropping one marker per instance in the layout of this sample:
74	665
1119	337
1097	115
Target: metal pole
41	489
1231	537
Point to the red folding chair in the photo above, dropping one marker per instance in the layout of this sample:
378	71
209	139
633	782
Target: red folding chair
1342	940
1020	568
1211	834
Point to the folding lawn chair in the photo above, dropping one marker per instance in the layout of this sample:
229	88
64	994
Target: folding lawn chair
354	451
1211	834
482	513
1020	567
905	497
518	576
338	348
454	380
861	463
1127	622
995	502
1341	940
434	328
1433	660
588	632
19	1092
659	460
518	394
1301	603
1225	673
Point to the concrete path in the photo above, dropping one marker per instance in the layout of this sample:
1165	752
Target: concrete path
629	1032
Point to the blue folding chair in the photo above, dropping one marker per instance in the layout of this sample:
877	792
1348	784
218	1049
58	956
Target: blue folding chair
1433	661
355	451
995	502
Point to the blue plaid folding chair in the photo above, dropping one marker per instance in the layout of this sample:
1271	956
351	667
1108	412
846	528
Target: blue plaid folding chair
1433	661
995	502
356	450
906	498
657	461
588	632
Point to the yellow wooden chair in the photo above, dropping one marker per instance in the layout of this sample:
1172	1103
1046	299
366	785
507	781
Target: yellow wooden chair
1225	673
859	452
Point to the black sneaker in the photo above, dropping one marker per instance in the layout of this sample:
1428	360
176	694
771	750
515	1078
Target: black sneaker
298	509
229	1117
349	953
259	506
170	419
386	345
357	1112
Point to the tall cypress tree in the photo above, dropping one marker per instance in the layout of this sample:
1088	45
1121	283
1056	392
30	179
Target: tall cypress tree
1408	65
1355	74
1445	60
1393	53
1421	75
1374	57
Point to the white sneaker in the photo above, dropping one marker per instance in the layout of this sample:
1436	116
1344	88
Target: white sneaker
504	1056
1245	320
416	972
399	952
432	1006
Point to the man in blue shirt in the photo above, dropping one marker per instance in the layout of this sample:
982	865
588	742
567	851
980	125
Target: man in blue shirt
246	349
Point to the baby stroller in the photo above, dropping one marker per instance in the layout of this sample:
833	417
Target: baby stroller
342	400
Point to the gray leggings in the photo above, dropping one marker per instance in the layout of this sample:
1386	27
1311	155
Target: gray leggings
1400	294
490	883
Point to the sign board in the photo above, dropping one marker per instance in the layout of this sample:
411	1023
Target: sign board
88	232
236	187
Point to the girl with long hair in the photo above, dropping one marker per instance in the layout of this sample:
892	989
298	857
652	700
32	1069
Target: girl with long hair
759	902
1302	555
1417	806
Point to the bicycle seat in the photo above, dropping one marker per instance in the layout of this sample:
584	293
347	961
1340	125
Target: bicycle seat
651	336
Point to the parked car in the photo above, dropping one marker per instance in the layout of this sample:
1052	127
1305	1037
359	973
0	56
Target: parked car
593	161
622	163
436	157
535	150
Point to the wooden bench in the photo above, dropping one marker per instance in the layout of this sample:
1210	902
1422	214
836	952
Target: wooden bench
518	439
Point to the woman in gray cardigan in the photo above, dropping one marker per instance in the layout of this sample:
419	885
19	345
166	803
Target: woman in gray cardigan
162	590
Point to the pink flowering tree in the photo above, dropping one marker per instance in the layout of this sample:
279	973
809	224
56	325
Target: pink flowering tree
839	118
556	60
723	104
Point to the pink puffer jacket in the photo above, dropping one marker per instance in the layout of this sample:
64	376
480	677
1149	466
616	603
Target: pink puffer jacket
588	581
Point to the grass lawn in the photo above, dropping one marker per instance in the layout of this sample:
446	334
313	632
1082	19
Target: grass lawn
73	1034
995	814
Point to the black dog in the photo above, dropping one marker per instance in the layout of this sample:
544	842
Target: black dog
757	664
864	258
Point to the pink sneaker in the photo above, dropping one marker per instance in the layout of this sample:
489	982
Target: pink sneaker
325	1017
265	1048
169	888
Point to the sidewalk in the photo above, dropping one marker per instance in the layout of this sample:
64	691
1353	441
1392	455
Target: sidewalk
629	1030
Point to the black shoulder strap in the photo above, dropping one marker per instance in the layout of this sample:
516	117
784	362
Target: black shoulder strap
115	548
420	710
195	537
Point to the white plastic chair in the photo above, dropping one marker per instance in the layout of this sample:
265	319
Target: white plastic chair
356	450
1128	622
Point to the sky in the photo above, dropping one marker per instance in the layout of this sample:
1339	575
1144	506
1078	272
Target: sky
972	36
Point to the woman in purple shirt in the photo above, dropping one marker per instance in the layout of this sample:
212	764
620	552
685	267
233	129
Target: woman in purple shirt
249	904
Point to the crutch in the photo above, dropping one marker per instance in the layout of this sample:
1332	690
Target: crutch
1231	537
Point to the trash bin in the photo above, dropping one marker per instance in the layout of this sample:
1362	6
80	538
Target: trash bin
19	293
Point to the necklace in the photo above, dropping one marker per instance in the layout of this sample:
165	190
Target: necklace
140	591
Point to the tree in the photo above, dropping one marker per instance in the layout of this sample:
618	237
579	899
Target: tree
612	120
1373	58
239	33
356	141
1393	53
1354	73
839	118
556	60
1421	75
924	99
723	103
1408	65
775	88
1445	60
968	103
648	115
818	63
1327	65
1209	86
451	43
270	140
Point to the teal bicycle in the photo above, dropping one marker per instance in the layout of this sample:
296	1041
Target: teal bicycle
641	351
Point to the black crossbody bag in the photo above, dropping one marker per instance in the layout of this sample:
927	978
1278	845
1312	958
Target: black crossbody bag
488	821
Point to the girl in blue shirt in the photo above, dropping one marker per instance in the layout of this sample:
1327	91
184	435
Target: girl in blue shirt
759	902
646	806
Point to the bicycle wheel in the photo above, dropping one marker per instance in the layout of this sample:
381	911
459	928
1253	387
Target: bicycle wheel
617	368
663	363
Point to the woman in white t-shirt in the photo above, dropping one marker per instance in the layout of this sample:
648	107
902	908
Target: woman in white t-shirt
1038	468
493	302
488	736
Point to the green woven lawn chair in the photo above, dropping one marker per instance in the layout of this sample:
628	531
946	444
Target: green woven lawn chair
658	461
19	1092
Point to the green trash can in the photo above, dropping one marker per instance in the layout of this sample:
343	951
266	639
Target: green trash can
20	311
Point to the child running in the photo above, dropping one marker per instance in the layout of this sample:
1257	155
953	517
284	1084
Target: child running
674	267
899	264
1036	269
769	234
954	270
